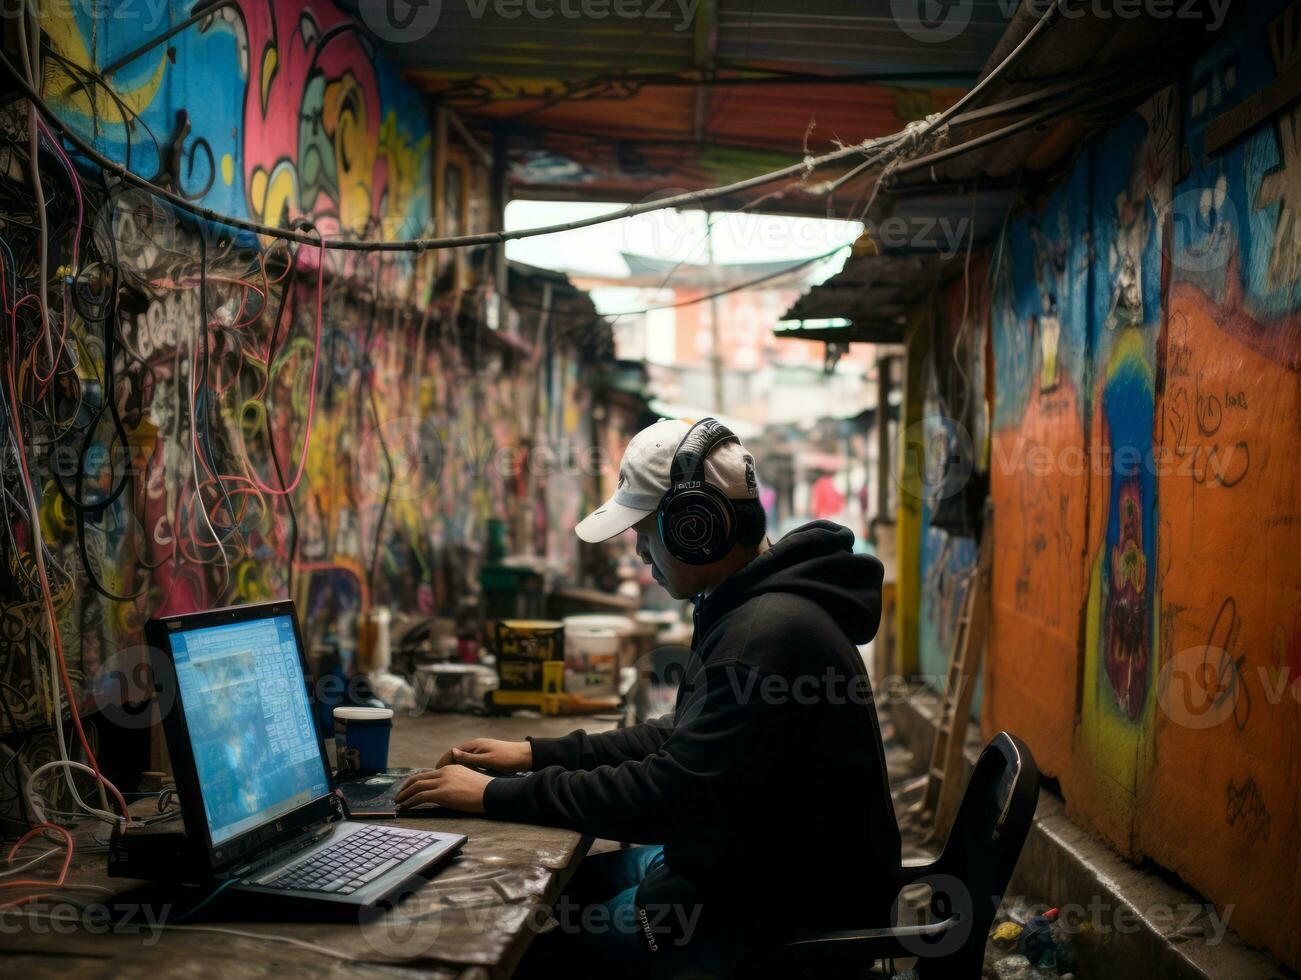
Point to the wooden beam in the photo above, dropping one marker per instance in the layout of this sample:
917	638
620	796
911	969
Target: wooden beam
499	194
705	52
1230	126
477	148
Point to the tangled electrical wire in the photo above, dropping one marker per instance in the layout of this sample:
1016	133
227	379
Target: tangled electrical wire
182	438
98	507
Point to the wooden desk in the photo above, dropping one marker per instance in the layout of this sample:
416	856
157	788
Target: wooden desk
472	921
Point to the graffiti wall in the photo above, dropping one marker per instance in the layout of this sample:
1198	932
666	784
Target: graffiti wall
272	111
1146	336
1229	531
233	419
953	426
1039	338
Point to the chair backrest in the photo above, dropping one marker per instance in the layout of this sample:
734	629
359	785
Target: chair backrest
972	872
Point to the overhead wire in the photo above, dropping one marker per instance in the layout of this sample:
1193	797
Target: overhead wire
795	171
43	125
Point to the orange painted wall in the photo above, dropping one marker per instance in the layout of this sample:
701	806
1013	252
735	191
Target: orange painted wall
1145	338
1228	725
1038	583
1037	470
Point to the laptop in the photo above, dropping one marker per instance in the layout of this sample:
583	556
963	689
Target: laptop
257	795
374	795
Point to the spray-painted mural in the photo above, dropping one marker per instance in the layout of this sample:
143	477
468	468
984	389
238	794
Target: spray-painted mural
274	111
1146	335
953	428
222	353
1037	465
1129	194
1228	418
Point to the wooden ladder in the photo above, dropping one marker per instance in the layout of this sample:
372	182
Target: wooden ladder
939	802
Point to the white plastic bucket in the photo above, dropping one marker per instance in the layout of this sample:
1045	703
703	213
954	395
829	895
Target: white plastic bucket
592	662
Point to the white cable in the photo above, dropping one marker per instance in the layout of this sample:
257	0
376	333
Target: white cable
895	142
224	931
33	862
29	50
194	457
289	940
919	130
68	765
56	706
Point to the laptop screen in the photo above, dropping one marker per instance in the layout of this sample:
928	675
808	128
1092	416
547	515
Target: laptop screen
255	745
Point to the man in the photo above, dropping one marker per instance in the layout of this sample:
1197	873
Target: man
766	791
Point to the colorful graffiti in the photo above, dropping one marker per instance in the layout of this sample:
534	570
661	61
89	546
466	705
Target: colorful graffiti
324	129
953	429
1146	337
1131	174
231	350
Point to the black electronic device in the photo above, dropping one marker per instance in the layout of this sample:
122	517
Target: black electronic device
258	799
696	520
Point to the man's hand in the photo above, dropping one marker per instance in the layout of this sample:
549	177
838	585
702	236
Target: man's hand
451	786
490	753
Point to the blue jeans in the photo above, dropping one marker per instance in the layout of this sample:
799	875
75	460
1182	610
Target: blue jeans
598	932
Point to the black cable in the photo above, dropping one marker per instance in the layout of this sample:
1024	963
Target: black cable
108	402
130	118
94	513
388	489
368	379
272	350
205	413
200	11
795	171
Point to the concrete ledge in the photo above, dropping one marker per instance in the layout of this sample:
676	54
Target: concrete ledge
1123	915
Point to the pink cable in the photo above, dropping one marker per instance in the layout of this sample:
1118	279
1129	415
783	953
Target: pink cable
46	592
311	391
76	246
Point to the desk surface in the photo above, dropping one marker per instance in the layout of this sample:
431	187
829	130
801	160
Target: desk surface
471	921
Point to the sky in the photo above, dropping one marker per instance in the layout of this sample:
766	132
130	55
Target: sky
677	236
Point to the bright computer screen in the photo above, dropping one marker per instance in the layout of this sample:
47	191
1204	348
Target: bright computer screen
250	723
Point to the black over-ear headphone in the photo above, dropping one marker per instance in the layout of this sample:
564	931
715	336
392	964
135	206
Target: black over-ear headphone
696	520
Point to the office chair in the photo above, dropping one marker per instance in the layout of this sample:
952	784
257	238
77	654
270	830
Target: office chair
967	882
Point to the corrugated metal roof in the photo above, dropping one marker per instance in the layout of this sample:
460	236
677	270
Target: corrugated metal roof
853	38
872	291
1070	66
612	107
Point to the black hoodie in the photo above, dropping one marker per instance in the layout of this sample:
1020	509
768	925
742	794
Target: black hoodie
767	787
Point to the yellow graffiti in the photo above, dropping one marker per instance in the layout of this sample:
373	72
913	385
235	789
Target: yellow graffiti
405	161
274	196
59	22
270	61
354	153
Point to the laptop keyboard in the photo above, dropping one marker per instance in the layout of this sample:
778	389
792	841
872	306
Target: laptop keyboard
353	862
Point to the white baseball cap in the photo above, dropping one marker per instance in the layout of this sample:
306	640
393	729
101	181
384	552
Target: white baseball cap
644	478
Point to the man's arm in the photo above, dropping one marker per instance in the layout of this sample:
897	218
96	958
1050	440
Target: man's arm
581	751
645	799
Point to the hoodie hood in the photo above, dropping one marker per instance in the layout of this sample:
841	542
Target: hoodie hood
815	561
